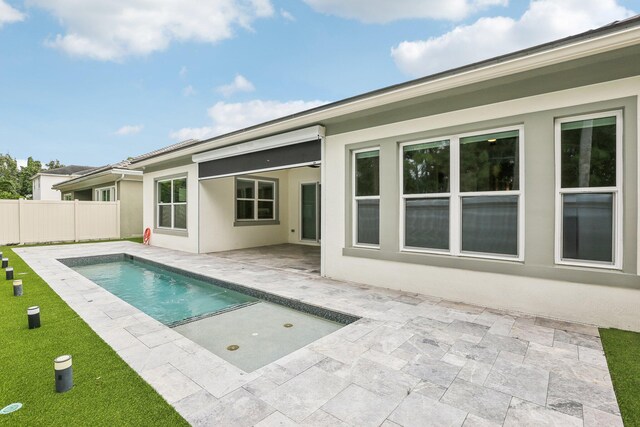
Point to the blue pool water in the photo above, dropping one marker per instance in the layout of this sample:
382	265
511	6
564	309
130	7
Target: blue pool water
164	295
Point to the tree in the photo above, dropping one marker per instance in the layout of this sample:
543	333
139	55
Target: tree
9	177
54	164
25	175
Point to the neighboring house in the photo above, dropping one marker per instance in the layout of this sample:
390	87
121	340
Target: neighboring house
42	182
510	183
109	184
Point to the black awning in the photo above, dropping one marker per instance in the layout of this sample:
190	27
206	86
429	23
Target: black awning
275	158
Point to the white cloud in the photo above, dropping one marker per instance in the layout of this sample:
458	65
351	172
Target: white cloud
382	11
543	21
188	91
183	72
114	29
287	15
239	84
228	117
9	15
22	163
129	130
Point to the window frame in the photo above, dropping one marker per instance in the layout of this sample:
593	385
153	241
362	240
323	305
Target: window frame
456	196
616	191
172	204
98	192
67	196
355	199
256	220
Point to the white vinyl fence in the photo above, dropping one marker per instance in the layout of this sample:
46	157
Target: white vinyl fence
42	221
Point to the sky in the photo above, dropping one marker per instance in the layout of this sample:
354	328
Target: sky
93	82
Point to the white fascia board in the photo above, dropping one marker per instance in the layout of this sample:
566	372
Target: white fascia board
70	183
270	142
608	42
125	172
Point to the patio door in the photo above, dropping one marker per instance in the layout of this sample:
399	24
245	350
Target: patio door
310	212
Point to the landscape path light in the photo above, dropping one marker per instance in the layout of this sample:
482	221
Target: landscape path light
9	273
33	316
64	373
17	288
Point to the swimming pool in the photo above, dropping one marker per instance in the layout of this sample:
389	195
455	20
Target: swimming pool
169	297
245	326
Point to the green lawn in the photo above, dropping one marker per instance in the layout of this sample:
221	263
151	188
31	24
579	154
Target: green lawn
107	392
622	349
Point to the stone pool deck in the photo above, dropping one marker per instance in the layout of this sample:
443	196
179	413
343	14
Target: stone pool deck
412	360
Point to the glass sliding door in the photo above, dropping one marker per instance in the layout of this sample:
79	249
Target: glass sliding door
310	211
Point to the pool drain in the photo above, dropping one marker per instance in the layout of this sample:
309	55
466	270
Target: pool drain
288	325
233	347
10	408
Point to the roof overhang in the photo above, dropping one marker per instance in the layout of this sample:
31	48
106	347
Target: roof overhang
91	180
565	50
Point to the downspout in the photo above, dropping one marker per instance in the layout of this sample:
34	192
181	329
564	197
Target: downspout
116	199
116	185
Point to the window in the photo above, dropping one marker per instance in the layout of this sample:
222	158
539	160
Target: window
67	196
172	203
366	202
105	194
461	195
589	190
255	199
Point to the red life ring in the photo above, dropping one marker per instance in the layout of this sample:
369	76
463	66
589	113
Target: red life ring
146	236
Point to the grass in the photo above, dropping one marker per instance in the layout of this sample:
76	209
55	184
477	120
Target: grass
622	349
106	392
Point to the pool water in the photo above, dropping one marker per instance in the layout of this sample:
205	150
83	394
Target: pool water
166	296
243	330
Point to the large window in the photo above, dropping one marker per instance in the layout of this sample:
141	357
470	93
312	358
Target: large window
588	181
172	203
366	201
105	194
461	195
255	199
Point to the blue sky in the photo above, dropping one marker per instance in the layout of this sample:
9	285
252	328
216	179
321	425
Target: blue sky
97	81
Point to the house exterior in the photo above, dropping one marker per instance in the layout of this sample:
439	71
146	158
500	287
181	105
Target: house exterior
42	183
109	184
510	183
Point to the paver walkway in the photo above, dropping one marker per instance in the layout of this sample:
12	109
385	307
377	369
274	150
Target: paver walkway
412	360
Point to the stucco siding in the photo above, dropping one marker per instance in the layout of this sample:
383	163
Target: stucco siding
130	196
180	240
217	213
535	285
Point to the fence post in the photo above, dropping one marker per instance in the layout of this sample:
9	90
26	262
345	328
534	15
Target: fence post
118	219
75	220
20	221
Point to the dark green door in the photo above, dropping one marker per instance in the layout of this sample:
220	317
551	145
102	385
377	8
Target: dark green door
310	214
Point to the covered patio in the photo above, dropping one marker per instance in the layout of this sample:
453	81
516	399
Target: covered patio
288	257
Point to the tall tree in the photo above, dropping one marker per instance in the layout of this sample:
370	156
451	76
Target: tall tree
25	175
9	177
54	164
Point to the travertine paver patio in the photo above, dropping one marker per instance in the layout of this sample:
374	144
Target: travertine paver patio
411	360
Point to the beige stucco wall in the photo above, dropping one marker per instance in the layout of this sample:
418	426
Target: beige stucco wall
217	229
607	298
182	241
130	196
